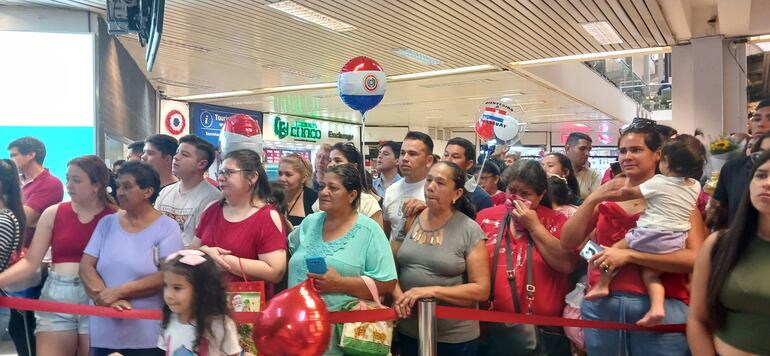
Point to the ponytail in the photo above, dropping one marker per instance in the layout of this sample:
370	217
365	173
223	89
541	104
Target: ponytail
465	206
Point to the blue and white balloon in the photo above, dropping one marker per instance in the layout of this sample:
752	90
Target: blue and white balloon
361	84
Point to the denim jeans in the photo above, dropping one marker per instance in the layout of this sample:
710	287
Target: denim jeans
629	308
411	347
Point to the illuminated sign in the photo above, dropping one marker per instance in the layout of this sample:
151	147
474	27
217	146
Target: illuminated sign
299	129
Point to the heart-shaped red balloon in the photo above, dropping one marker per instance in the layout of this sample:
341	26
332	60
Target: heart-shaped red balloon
485	130
294	322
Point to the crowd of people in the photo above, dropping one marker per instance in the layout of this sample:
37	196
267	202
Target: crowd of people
154	232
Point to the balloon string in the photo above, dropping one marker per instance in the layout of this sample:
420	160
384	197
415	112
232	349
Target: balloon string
363	130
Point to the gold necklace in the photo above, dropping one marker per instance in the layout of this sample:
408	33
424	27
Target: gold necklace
428	237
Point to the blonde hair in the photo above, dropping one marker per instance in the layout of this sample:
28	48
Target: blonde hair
300	165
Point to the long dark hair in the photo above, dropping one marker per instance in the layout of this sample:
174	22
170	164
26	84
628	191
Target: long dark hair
730	246
531	173
209	300
463	204
353	157
97	173
349	178
251	162
10	193
566	164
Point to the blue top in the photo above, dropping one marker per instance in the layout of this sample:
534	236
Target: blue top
378	186
363	250
123	257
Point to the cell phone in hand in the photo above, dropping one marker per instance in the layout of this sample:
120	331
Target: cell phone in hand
316	265
616	168
589	250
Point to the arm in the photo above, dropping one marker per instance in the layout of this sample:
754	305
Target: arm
92	281
37	249
270	267
31	215
386	228
681	261
579	226
468	294
699	336
377	217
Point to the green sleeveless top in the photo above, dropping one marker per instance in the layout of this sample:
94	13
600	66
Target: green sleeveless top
746	298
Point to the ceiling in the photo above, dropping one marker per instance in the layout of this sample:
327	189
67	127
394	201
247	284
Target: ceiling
212	46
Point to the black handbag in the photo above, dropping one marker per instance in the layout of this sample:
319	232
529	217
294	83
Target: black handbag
504	338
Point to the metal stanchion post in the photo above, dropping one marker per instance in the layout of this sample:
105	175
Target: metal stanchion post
427	326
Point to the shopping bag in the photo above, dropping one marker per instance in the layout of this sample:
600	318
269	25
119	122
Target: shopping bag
246	296
366	338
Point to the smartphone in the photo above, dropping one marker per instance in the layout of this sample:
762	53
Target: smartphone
316	265
589	250
616	168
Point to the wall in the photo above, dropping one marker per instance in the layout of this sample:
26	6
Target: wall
127	103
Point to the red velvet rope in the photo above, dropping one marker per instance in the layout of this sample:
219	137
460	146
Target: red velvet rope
343	317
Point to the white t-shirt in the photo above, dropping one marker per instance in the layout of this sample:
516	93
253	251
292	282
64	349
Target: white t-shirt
670	202
179	339
186	208
394	200
367	205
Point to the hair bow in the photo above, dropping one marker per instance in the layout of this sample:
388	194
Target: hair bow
189	257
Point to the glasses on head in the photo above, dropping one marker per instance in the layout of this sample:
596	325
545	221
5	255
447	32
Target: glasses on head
226	172
639	123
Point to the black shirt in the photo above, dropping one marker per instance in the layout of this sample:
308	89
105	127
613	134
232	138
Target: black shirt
732	184
309	197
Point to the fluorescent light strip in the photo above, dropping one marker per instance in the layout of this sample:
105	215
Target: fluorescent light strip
416	56
591	56
394	78
215	95
602	32
299	11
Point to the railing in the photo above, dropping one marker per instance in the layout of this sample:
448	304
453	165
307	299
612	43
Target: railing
651	96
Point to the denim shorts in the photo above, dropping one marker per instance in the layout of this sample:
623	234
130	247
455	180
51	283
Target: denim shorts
629	308
65	289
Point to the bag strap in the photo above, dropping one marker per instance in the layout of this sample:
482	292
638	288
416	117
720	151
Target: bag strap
511	273
373	289
530	284
243	274
496	256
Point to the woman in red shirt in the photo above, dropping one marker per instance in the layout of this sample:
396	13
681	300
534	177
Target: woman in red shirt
244	230
66	228
639	148
532	222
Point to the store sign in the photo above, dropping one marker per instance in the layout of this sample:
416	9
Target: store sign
207	120
284	127
303	130
174	118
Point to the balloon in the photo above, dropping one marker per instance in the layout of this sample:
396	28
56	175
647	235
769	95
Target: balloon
294	322
361	84
240	132
485	130
497	115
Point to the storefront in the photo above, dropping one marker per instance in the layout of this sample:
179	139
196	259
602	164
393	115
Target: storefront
284	134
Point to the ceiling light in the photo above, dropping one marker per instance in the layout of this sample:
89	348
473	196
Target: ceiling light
602	32
592	56
765	46
409	53
296	87
435	73
297	10
215	95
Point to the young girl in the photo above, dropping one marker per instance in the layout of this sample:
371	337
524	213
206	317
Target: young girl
662	227
195	316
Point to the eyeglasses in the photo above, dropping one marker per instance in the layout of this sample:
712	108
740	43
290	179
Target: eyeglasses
639	124
226	172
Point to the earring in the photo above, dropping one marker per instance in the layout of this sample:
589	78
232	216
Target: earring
454	201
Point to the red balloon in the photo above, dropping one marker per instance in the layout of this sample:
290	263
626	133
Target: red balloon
241	124
294	322
485	130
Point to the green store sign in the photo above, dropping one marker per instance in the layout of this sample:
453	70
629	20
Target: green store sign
299	129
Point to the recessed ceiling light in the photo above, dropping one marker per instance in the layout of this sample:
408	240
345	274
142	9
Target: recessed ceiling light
602	31
416	56
215	95
297	10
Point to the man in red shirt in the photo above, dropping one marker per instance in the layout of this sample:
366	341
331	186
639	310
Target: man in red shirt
39	190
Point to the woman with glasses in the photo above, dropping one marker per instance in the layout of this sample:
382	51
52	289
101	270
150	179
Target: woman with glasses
608	222
244	232
729	313
346	153
489	179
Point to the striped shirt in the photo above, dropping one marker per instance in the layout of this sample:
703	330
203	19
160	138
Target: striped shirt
10	235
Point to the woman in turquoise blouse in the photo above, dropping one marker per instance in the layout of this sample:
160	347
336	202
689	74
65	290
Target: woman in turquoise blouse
352	245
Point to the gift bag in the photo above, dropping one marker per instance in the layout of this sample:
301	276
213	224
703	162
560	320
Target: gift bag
246	296
366	338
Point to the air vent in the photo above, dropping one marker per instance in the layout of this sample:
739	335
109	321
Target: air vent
458	83
176	83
